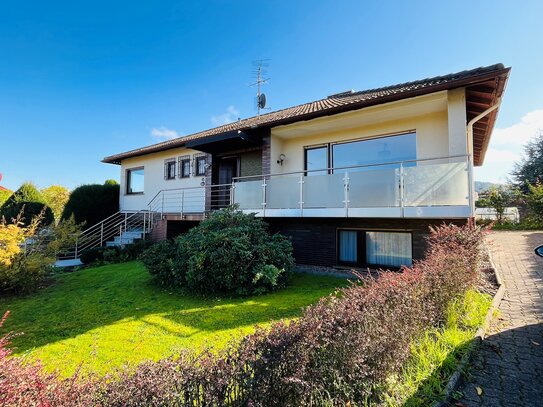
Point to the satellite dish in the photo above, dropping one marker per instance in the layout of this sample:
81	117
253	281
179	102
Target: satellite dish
261	101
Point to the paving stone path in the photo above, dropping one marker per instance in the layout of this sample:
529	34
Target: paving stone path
508	367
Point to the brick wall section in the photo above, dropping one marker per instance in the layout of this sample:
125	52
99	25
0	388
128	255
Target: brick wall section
314	240
266	154
159	231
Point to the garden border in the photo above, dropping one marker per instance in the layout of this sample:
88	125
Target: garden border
454	380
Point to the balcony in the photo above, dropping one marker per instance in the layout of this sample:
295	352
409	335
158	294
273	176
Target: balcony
428	188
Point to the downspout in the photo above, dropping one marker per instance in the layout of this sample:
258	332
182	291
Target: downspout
469	136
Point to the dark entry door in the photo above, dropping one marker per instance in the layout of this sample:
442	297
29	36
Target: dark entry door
228	169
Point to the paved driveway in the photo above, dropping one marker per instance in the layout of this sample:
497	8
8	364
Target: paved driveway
508	368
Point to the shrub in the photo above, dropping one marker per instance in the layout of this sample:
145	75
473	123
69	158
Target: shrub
91	204
28	202
26	255
228	253
159	260
114	254
25	384
341	351
55	197
92	255
4	195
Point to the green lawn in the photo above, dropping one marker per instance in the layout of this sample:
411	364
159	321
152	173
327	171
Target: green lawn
107	316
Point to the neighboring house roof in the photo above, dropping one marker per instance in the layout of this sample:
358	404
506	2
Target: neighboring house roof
486	85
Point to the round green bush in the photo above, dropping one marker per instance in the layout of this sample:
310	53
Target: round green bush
228	253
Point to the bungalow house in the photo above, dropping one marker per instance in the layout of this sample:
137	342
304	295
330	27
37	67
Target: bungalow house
355	178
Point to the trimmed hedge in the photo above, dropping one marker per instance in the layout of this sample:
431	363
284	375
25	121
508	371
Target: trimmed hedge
92	203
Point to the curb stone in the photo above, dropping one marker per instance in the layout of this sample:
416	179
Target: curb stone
454	380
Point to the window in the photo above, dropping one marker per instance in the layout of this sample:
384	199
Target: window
380	150
375	151
375	248
316	158
134	181
200	164
184	166
169	169
389	248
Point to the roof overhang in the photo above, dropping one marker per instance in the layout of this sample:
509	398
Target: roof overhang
483	86
229	141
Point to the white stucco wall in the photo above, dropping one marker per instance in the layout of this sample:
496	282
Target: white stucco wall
429	119
154	181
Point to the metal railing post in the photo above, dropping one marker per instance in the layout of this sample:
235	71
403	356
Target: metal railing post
471	185
76	242
162	206
301	203
182	202
264	196
102	234
346	181
232	192
402	190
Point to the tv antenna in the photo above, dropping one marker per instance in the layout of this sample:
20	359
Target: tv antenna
259	71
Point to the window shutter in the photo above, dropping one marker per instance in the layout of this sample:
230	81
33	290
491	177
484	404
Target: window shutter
165	169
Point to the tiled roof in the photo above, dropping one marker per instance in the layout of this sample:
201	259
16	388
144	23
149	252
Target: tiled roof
333	104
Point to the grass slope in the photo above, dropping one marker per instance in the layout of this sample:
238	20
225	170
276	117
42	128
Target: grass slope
104	317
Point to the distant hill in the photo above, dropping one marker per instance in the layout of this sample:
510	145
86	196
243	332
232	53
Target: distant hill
481	186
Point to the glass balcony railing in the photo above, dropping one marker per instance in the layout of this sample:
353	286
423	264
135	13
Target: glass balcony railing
417	188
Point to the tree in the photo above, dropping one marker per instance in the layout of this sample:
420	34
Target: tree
534	200
56	197
499	198
4	195
28	202
530	169
92	203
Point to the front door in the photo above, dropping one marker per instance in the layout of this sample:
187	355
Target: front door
228	169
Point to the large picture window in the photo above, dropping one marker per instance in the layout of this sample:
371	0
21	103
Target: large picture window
374	248
375	151
379	150
134	181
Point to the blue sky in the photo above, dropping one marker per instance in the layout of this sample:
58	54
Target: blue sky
81	80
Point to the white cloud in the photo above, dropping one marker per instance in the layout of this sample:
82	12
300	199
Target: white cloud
230	116
506	147
163	133
521	132
499	156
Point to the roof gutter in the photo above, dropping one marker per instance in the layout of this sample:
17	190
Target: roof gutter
469	136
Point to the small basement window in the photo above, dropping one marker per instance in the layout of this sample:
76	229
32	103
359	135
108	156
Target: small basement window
184	166
374	248
134	181
169	169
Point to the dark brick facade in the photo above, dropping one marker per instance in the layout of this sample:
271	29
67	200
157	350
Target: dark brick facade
314	239
266	154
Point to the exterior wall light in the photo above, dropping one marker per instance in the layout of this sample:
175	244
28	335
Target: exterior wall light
282	158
